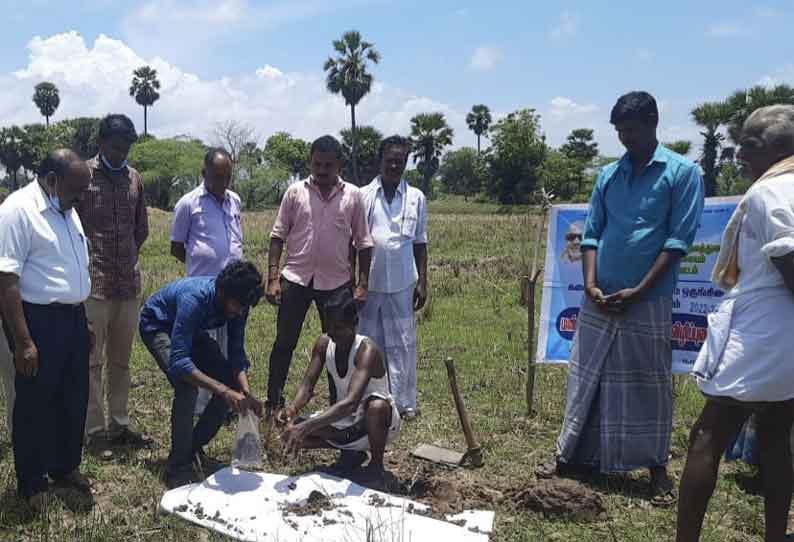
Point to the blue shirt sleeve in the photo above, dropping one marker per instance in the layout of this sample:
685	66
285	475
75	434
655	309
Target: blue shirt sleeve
189	315
237	356
596	217
686	209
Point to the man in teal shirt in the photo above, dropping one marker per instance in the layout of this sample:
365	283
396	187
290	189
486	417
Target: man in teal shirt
644	213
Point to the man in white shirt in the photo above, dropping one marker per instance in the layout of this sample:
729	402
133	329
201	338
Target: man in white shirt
44	281
397	218
744	367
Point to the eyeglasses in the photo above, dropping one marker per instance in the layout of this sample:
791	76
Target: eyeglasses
573	237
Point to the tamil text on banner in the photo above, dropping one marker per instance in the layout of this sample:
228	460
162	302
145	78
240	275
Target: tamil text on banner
695	296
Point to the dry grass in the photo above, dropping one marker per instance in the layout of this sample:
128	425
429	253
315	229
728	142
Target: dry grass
474	316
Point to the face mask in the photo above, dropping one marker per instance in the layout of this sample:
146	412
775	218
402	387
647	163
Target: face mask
110	167
55	201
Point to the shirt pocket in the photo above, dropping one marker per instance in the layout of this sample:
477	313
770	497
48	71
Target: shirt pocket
410	220
654	205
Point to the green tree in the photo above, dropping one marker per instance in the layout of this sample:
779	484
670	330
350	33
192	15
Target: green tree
47	99
681	146
562	174
731	181
463	172
12	151
581	147
84	135
144	89
347	74
430	134
40	140
287	152
518	150
368	141
710	116
742	103
169	168
479	120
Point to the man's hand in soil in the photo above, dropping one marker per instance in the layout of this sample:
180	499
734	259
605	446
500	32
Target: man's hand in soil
285	415
254	404
295	435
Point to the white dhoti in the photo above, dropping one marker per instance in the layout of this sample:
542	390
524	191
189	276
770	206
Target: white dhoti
389	320
204	395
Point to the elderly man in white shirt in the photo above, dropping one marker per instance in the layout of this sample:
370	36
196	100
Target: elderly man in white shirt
397	217
44	281
745	366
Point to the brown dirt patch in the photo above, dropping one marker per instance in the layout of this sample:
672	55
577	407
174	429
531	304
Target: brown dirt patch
315	505
560	498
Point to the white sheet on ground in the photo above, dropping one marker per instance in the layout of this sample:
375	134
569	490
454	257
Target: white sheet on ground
251	506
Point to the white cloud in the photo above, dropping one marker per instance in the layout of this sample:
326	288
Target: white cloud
486	58
726	29
566	107
566	27
94	80
784	75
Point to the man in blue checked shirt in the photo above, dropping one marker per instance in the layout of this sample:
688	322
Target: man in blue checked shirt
644	213
174	326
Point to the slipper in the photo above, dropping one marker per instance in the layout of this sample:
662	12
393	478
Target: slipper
663	495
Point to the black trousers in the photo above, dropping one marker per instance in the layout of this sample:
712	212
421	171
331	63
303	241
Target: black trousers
295	302
208	358
50	407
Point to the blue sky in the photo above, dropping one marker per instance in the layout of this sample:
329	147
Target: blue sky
260	62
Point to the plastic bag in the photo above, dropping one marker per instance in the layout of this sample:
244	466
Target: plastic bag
247	452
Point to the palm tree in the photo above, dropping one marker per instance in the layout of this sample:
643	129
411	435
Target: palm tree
710	116
47	99
479	119
430	133
144	89
347	75
742	103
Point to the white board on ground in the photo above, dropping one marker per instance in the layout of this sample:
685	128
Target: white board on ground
256	507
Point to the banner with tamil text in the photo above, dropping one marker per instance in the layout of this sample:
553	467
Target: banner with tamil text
694	298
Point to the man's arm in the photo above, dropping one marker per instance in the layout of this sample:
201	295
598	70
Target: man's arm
420	258
785	264
310	378
364	261
26	355
589	265
141	218
273	292
178	251
663	263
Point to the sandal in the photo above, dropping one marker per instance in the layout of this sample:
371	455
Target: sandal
662	494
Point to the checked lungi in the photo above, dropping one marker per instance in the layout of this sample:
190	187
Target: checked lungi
619	401
389	320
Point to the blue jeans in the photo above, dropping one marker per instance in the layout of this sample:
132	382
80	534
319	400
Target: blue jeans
186	439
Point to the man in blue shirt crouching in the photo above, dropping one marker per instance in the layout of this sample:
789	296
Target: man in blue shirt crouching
173	325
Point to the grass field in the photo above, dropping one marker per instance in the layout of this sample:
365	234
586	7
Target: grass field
477	255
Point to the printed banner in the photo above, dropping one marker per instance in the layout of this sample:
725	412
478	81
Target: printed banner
695	296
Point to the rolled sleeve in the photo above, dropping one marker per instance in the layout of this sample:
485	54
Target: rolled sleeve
360	228
15	234
596	216
237	356
186	325
773	219
283	223
686	209
420	237
181	226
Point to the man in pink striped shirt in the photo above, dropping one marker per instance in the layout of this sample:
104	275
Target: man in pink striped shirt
320	219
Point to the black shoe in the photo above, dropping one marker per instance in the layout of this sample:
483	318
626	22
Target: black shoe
181	477
74	480
128	437
207	465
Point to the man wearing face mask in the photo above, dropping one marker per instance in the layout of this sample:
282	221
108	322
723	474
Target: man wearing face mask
207	234
113	214
44	281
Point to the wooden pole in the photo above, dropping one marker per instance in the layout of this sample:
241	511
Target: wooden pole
534	272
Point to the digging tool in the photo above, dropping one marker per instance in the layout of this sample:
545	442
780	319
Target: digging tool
473	454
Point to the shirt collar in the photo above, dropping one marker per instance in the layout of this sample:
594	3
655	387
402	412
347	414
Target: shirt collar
338	187
204	192
379	185
659	156
41	197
